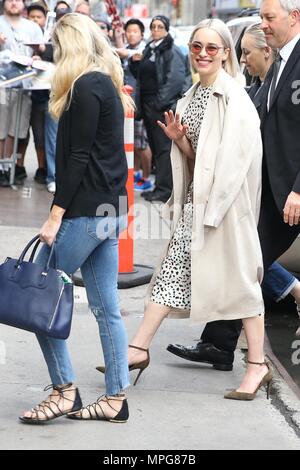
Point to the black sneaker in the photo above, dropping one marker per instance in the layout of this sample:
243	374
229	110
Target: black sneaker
4	179
20	172
156	195
41	176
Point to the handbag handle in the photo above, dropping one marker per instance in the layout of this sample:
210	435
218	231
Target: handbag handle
32	256
37	241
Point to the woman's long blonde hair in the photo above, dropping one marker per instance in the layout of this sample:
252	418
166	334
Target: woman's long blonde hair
231	65
80	47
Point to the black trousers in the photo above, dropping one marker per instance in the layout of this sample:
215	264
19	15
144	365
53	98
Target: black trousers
223	334
275	238
160	146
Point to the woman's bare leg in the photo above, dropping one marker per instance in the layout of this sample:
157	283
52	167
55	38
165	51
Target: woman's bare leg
153	317
255	332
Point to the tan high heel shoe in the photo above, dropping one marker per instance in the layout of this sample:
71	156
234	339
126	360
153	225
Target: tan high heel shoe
142	365
266	380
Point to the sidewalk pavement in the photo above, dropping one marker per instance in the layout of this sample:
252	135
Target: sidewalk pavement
176	404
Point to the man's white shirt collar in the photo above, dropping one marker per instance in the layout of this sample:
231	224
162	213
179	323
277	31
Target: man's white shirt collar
286	50
285	53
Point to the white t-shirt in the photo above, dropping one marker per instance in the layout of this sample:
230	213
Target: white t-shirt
26	32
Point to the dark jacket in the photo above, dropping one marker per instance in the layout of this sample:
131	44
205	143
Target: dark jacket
91	165
257	92
280	131
172	73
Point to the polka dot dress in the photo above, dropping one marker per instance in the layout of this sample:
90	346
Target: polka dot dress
194	114
172	287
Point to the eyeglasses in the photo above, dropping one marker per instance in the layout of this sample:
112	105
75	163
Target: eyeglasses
211	49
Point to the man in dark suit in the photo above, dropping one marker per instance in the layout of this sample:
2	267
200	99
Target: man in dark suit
280	209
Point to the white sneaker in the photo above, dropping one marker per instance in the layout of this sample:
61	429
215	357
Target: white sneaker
51	187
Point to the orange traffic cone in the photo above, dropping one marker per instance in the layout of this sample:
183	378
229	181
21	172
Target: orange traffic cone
130	275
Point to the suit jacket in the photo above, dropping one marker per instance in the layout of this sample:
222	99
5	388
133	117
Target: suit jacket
280	128
258	93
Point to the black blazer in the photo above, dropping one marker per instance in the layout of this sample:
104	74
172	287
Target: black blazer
91	165
281	131
257	93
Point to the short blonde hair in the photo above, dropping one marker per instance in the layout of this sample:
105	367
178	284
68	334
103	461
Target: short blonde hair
231	65
259	37
80	47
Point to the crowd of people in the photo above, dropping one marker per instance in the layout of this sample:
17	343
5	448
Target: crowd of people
157	82
227	164
21	25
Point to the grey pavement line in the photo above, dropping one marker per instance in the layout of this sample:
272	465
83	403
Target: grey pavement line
17	227
283	388
132	389
282	402
283	399
281	369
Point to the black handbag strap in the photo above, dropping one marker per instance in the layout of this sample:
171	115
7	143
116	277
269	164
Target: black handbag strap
32	256
37	241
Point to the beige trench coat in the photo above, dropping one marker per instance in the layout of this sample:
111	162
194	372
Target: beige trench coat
226	257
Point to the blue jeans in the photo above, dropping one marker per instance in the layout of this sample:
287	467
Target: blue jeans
278	282
50	145
91	243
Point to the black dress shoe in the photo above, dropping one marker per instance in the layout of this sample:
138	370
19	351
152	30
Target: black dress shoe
40	176
156	196
204	352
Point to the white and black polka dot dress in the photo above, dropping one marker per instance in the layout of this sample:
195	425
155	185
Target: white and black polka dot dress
172	287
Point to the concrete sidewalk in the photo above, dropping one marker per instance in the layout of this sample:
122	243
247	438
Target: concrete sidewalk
175	405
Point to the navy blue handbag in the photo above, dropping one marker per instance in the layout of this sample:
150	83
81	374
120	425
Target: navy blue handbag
36	298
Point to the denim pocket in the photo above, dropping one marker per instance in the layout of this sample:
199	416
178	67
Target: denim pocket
101	228
66	224
91	227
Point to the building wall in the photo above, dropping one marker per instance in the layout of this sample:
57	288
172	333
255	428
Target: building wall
190	11
194	11
233	7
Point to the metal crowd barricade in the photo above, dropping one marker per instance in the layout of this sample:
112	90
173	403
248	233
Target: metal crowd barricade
12	161
9	85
